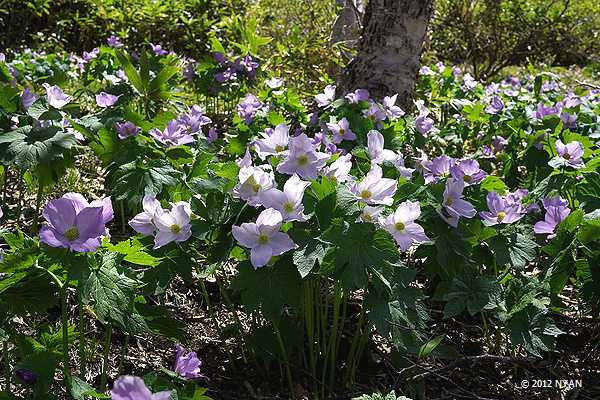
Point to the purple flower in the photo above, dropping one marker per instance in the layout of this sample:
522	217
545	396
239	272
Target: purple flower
571	101
75	224
454	204
274	82
370	214
340	168
106	100
492	88
543	111
325	98
357	96
213	134
173	135
134	388
569	120
554	216
193	120
220	58
2	57
228	74
374	189
378	154
425	70
469	82
456	72
437	168
89	56
303	159
392	111
126	129
495	106
26	375
144	222
189	71
114	41
375	111
172	225
498	143
555	201
252	182
275	143
424	124
248	108
341	131
289	201
501	212
263	237
468	171
56	97
187	364
28	98
569	155
401	224
158	50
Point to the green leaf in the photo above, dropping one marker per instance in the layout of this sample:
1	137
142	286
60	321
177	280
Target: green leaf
132	74
356	248
515	249
471	293
136	179
80	390
111	292
430	346
269	288
494	184
534	330
28	147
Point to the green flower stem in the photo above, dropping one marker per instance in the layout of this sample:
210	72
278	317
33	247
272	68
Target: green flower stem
288	371
310	327
230	305
38	205
107	343
64	289
6	357
123	354
82	341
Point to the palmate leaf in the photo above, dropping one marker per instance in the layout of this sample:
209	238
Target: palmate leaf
515	249
112	293
589	190
135	179
27	147
355	248
534	330
473	294
269	288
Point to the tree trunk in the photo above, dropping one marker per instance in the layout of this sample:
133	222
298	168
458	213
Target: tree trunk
390	49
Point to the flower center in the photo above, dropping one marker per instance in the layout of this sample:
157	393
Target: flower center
501	216
566	156
263	239
175	228
72	233
278	148
449	202
342	131
302	160
365	194
288	207
256	188
467	178
367	217
399	226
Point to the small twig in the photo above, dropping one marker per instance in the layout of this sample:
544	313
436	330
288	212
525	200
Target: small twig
591	85
473	360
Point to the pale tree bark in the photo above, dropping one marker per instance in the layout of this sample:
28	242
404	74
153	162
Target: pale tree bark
389	51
